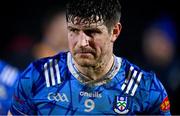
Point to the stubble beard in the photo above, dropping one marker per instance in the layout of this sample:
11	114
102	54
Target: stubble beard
85	61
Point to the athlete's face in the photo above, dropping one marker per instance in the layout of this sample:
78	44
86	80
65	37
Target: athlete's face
90	44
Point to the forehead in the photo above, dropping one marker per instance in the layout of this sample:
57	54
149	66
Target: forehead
82	26
90	22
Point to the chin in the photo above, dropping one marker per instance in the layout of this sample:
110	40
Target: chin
84	62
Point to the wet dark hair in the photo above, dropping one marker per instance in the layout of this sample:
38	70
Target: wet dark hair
87	11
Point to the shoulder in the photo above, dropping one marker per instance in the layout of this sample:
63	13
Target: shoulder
145	80
146	87
4	65
39	70
8	73
59	58
44	63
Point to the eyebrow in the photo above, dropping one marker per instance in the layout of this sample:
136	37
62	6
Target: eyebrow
93	29
85	29
70	27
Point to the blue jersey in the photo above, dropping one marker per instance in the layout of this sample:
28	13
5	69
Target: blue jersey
8	77
53	86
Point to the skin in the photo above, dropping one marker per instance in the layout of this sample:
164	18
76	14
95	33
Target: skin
56	33
54	37
92	47
158	48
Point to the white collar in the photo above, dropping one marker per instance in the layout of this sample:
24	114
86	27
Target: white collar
107	77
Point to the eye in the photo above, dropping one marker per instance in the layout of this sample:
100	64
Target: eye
74	30
90	32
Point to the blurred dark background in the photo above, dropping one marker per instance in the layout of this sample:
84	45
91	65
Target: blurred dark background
22	19
21	27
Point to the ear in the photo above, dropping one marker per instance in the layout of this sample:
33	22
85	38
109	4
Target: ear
116	31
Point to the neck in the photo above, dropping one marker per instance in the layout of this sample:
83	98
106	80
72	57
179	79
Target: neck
98	71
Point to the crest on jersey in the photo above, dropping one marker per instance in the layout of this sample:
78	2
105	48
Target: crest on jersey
121	105
165	105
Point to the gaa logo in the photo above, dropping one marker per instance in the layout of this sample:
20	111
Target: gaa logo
58	97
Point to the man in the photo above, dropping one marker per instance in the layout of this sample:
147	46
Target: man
89	79
54	31
159	49
8	77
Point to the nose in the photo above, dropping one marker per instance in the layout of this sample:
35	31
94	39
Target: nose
84	39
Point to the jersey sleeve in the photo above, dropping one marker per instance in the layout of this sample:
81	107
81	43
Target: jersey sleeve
21	101
159	103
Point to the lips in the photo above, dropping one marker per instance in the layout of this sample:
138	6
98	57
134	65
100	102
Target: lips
85	52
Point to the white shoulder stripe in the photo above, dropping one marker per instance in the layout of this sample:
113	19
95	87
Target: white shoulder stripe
52	67
57	72
131	82
52	72
136	85
9	75
12	77
127	79
5	73
46	74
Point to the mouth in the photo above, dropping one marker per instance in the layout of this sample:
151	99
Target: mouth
84	54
